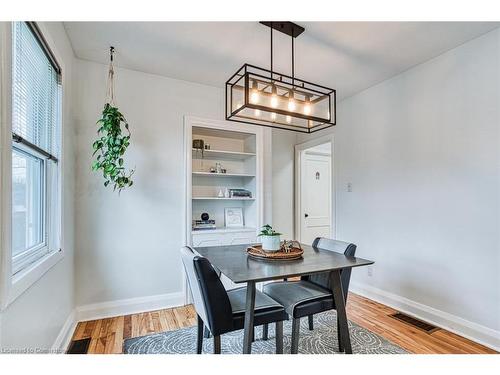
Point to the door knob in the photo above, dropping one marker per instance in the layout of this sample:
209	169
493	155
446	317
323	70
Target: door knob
306	215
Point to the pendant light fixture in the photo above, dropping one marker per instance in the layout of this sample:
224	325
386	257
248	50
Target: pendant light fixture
264	97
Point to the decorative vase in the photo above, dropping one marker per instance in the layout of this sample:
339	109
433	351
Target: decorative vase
270	243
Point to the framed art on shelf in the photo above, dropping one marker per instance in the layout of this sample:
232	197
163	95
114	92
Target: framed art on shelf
233	217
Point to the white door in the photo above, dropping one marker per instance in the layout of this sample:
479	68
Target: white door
315	197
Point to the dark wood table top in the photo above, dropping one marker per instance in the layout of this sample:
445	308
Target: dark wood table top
234	262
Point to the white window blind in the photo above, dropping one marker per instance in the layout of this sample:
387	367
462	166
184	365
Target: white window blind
35	91
36	119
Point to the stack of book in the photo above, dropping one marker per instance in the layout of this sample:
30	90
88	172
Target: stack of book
203	224
240	193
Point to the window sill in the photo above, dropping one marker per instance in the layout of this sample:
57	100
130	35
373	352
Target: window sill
27	277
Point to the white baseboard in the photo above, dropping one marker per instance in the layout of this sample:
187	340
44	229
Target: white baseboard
470	330
64	337
113	308
128	306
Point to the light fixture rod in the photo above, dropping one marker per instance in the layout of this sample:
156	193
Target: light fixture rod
293	61
271	51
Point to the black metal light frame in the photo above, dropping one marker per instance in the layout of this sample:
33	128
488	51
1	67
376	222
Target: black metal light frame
251	73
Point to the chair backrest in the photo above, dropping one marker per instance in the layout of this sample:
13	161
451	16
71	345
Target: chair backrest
210	298
341	247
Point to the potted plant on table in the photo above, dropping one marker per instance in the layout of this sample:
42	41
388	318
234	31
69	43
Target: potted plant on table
270	238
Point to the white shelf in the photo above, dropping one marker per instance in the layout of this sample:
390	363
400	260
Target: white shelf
224	199
222	174
220	154
225	230
239	149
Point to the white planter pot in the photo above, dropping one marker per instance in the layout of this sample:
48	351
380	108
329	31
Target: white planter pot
270	243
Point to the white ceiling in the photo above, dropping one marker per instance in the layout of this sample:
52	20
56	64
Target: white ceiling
347	56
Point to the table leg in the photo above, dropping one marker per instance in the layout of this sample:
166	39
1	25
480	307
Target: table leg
249	313
338	296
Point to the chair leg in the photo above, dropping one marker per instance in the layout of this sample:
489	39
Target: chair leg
265	331
217	346
295	335
341	347
253	334
279	337
199	343
311	322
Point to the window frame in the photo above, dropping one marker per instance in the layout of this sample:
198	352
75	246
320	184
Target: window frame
13	285
33	253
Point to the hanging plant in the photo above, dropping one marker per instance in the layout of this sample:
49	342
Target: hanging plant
110	147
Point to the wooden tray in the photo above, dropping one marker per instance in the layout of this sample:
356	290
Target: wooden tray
257	252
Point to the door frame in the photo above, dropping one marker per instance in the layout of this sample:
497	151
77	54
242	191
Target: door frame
299	151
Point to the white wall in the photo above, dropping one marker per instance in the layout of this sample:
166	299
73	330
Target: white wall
35	319
283	181
128	245
422	153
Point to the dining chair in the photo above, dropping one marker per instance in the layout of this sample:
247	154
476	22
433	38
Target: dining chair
312	294
223	311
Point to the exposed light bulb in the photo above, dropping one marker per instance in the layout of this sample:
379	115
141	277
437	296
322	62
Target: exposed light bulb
274	101
288	119
291	102
257	112
307	107
273	116
254	95
274	98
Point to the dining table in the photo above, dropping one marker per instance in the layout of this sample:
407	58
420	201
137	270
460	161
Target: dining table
234	262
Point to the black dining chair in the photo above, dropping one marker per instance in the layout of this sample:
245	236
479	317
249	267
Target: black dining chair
223	311
312	294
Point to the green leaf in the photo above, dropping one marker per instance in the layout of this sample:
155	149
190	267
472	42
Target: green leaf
110	148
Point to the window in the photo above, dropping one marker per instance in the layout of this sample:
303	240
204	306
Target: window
36	115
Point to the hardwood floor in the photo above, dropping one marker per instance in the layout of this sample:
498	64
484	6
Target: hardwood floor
107	335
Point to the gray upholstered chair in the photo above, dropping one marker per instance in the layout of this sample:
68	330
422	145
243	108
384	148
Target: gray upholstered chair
312	294
223	311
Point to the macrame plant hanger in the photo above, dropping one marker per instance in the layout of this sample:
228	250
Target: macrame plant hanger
110	89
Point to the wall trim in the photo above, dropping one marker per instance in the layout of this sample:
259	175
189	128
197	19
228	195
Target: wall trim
128	306
470	330
65	334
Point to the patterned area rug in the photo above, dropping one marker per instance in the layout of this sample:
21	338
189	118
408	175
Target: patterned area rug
322	340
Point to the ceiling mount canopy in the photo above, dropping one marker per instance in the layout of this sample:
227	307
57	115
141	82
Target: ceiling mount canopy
264	97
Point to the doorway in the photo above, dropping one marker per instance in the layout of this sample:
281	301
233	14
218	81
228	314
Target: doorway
315	203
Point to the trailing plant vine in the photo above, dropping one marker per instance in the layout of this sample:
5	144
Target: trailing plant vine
110	147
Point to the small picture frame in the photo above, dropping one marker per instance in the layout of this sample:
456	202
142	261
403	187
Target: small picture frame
233	217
